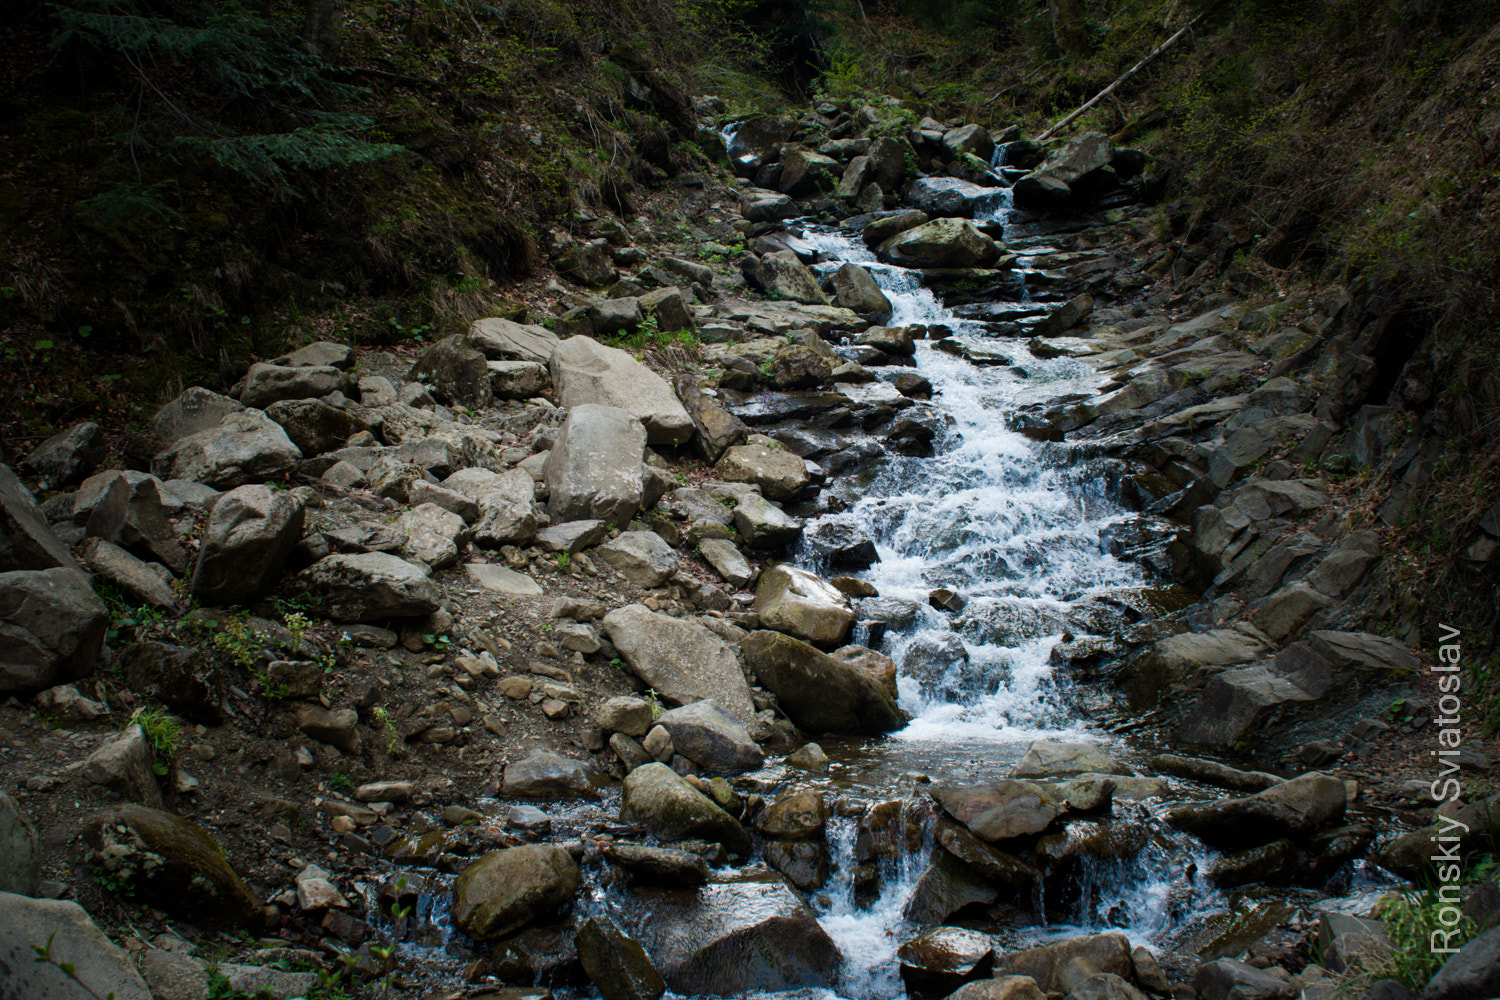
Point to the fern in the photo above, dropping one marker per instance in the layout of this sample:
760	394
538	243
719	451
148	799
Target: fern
265	159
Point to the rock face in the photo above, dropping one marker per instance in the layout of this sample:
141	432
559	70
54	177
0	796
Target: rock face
617	965
20	852
682	660
710	737
1054	179
817	691
244	448
52	627
370	586
736	938
171	864
506	890
594	470
587	372
26	542
251	531
941	243
796	602
656	797
100	966
1291	809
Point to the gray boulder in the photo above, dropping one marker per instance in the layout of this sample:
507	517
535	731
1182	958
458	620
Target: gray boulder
1000	810
617	965
783	275
587	372
941	243
641	557
804	172
572	537
123	765
26	541
780	474
710	737
727	560
1054	759
1063	168
315	426
664	803
508	889
319	354
682	660
100	968
20	851
717	428
664	865
138	580
1047	964
881	229
250	533
52	627
1293	808
243	448
266	384
624	714
802	605
1229	979
1472	974
196	410
817	691
545	775
856	290
594	469
371	585
506	340
430	535
67	458
760	523
972	139
518	379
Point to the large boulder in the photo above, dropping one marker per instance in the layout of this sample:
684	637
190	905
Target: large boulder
1472	974
760	522
940	960
941	243
172	864
856	290
817	691
1048	964
804	172
100	967
545	775
371	585
506	340
1053	181
196	409
1230	979
52	627
66	458
315	426
736	938
1000	810
244	447
587	372
457	369
802	605
710	737
669	808
507	889
640	557
265	384
781	275
616	964
594	470
682	660
945	887
717	428
20	851
250	533
1293	808
26	541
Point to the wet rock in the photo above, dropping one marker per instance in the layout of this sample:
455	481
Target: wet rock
856	290
945	887
507	889
682	660
20	852
802	605
370	586
817	691
26	541
941	243
250	533
616	964
1000	810
809	757
759	522
893	340
842	545
1213	773
794	816
881	229
1228	979
1078	157
52	627
804	863
999	988
586	372
186	680
942	960
1235	703
1105	986
67	458
594	469
992	863
1291	809
735	938
642	557
1108	953
1171	660
797	366
243	448
100	967
1065	317
660	865
172	864
877	666
671	809
1051	759
710	737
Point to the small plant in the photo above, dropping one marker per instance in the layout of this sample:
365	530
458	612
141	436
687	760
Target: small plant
388	728
163	731
654	700
564	560
437	642
340	781
1410	917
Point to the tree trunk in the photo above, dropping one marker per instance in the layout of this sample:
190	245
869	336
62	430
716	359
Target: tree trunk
320	30
1069	29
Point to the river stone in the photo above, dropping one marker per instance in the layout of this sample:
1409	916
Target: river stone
795	816
682	660
250	533
783	276
315	426
1109	952
196	409
943	959
945	887
507	889
138	580
1104	986
503	339
727	560
26	541
941	243
999	988
67	458
797	366
20	851
616	964
451	500
816	691
1213	773
1053	759
101	968
430	536
172	864
594	469
780	474
717	428
1171	660
370	586
662	865
587	372
802	605
1052	182
881	229
1000	810
52	627
1228	979
759	522
1291	809
895	340
857	175
641	557
518	379
243	448
669	808
546	775
994	864
734	938
804	172
625	714
1065	317
711	738
877	666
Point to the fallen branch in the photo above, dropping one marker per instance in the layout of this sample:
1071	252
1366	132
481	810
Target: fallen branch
1123	77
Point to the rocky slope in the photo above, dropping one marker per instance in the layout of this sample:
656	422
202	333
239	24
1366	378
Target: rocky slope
462	640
